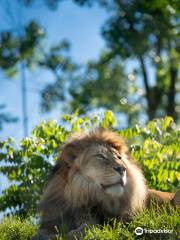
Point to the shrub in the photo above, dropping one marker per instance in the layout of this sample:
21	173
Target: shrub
155	146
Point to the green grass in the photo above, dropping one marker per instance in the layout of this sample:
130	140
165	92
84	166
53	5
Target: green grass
168	218
15	228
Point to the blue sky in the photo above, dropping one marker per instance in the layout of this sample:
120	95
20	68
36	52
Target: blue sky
81	26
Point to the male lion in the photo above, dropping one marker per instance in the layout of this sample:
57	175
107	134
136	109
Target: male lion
94	179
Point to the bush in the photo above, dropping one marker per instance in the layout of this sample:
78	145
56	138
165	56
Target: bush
155	147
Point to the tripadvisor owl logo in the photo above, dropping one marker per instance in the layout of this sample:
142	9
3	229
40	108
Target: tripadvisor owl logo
138	231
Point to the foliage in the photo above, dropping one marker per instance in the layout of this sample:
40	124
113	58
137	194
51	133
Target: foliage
104	85
155	147
57	61
20	50
5	117
22	47
148	32
144	36
27	47
167	218
141	77
157	150
24	50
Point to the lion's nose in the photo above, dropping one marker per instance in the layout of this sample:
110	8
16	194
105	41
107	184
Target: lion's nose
120	169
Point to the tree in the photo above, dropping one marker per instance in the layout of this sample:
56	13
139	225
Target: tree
148	32
145	32
58	62
20	51
104	85
141	31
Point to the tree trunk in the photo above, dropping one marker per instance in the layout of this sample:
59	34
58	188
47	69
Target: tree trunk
150	108
172	92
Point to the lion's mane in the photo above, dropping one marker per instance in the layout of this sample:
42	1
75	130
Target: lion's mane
72	203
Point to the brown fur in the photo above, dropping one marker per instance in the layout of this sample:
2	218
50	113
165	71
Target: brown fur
160	196
80	189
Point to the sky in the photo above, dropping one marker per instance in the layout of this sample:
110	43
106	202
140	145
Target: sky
80	25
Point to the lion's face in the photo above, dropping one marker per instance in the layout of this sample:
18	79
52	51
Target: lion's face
102	166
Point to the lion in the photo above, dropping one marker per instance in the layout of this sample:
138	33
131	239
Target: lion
94	179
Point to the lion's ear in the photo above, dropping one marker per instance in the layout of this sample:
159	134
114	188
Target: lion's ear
69	153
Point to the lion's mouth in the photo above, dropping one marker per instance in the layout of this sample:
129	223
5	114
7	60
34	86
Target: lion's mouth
112	184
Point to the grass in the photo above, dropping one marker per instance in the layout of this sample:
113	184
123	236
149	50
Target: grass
16	228
165	218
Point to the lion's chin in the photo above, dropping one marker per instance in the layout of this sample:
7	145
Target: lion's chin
115	190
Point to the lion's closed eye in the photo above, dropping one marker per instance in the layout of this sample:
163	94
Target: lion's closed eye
100	156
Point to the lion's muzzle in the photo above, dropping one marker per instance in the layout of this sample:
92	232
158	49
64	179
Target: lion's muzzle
122	180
